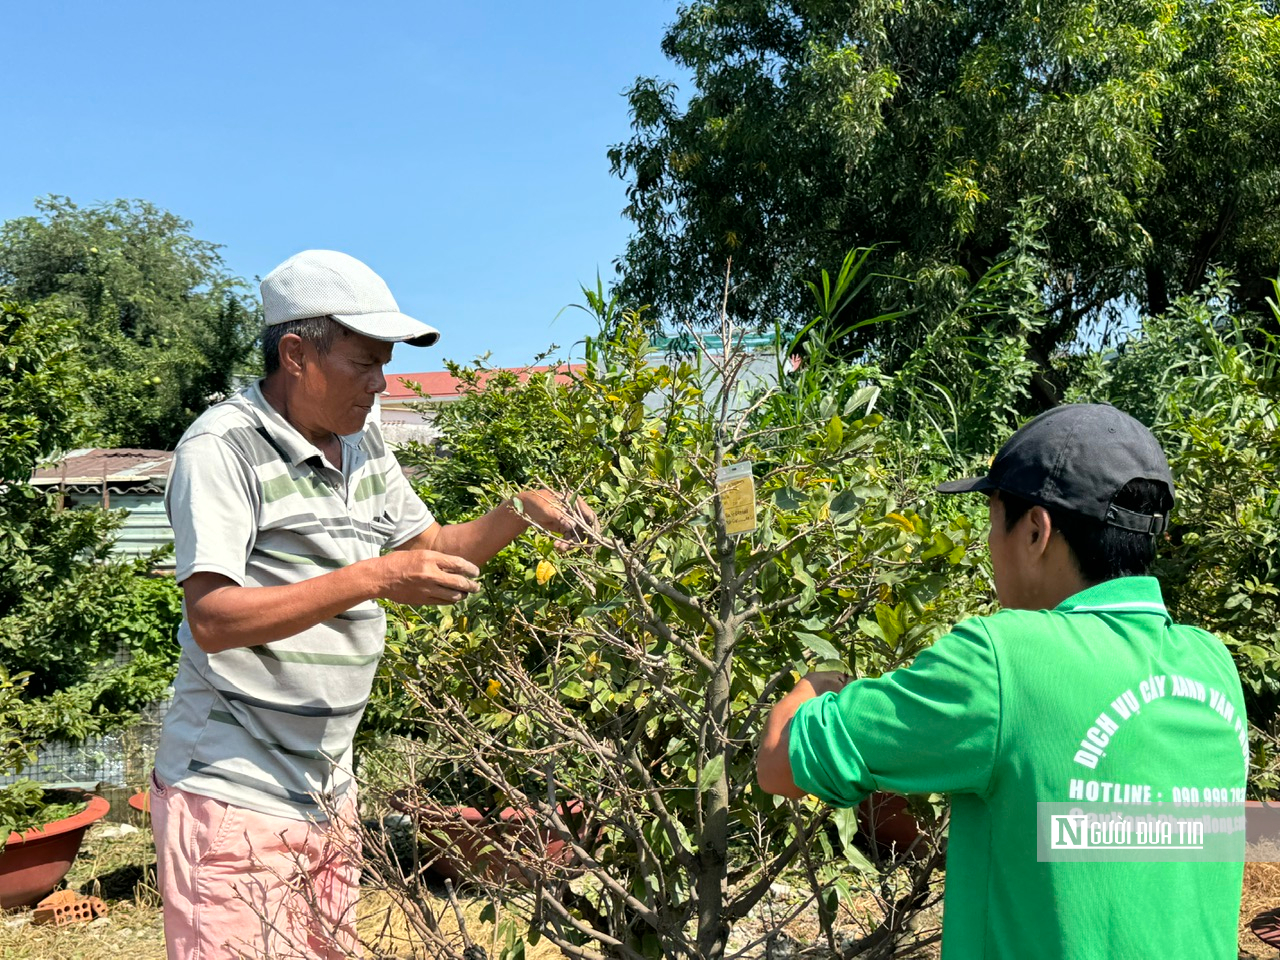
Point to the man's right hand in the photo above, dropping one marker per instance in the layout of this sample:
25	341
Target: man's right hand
224	615
426	577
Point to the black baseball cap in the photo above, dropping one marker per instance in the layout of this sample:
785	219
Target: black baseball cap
1076	458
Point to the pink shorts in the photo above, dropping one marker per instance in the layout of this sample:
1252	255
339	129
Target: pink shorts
237	883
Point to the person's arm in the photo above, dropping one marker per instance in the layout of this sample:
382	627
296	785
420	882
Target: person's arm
479	540
434	567
932	727
773	759
223	615
212	501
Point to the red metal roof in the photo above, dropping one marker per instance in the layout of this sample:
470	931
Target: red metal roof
91	466
441	384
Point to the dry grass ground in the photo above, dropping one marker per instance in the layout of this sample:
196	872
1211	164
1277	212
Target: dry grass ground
1261	892
120	868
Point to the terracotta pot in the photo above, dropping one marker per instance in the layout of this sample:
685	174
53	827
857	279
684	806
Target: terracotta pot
466	843
886	818
33	863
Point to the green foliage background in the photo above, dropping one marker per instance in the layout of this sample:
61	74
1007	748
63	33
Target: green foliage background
164	327
1141	135
66	610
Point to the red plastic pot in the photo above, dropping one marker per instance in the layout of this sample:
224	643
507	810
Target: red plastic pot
467	844
33	863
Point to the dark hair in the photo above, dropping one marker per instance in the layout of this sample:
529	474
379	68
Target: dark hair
1100	551
317	331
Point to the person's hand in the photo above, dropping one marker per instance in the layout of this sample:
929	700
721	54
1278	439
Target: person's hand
554	513
827	681
425	577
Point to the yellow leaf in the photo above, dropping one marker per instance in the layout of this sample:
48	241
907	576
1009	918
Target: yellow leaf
901	521
545	571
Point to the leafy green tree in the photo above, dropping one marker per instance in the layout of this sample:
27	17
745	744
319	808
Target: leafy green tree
1140	135
164	323
634	678
501	429
65	609
1212	396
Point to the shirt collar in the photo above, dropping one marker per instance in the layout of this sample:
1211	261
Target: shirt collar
292	446
1120	596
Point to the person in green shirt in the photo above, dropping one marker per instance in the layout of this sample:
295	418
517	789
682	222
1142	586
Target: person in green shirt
1081	689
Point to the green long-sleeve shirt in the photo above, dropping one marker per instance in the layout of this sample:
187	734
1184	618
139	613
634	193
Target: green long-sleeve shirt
1049	705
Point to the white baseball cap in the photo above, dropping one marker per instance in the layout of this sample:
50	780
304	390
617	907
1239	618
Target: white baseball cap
325	283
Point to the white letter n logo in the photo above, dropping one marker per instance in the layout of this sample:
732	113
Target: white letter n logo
1068	832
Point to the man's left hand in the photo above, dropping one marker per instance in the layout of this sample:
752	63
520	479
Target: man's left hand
569	517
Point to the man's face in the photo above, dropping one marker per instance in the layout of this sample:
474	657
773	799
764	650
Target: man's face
341	385
1004	567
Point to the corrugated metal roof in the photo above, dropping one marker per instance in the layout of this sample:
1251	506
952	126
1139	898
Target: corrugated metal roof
116	466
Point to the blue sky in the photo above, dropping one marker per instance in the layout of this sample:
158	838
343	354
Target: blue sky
458	149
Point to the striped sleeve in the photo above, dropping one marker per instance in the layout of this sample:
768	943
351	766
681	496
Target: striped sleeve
404	507
211	500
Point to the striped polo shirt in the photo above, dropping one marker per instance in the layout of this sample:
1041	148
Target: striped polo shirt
270	727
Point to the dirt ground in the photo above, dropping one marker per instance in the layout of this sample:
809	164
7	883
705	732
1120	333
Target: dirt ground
117	864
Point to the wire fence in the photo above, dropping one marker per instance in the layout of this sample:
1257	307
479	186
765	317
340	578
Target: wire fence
122	758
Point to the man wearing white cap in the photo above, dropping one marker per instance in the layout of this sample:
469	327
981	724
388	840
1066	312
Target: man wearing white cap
291	519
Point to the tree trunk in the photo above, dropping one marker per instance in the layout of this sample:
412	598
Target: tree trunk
1157	290
1207	247
713	846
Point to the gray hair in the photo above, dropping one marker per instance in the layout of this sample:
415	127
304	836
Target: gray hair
317	331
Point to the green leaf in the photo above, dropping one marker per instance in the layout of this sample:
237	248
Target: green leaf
846	822
871	628
939	545
835	434
711	773
821	648
788	499
573	690
846	503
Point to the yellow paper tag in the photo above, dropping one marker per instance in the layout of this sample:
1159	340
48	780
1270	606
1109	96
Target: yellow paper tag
737	489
